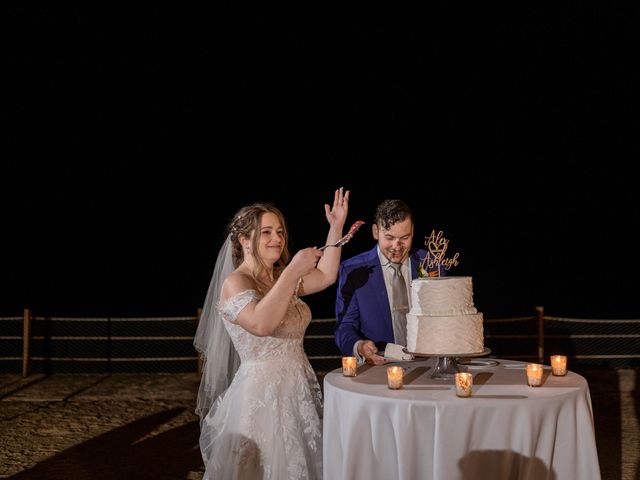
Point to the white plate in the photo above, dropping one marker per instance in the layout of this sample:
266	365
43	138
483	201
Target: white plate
522	366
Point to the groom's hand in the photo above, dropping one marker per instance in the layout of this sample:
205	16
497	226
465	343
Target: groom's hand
369	351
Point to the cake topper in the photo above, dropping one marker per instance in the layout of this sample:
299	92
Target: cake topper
434	261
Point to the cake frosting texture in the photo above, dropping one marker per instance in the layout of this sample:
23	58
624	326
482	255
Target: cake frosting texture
443	318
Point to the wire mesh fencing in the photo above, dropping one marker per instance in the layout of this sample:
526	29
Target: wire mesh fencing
38	344
97	345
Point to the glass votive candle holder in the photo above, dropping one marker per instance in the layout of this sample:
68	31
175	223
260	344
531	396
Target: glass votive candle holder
395	376
559	365
349	365
534	374
464	381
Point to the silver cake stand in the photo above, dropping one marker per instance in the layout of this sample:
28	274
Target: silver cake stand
447	363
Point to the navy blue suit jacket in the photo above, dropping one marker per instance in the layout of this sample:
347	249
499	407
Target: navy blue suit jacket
362	304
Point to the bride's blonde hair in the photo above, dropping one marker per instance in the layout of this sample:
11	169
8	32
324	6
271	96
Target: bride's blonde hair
247	220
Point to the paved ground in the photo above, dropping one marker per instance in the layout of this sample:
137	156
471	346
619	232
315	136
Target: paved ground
142	426
123	426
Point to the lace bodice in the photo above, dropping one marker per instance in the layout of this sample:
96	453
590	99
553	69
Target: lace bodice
286	340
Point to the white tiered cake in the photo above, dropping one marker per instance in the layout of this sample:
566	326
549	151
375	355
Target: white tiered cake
443	319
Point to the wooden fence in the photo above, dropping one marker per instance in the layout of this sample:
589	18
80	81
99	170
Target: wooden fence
165	344
103	344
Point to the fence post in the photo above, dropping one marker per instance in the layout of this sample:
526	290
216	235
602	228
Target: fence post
26	341
540	315
199	357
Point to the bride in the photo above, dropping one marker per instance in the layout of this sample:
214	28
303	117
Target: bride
267	422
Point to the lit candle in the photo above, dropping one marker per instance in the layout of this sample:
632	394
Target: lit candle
349	366
559	365
394	377
464	380
534	374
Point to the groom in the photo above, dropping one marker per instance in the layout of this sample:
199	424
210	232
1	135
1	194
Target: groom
364	314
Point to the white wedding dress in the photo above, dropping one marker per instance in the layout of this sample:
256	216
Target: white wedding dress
267	424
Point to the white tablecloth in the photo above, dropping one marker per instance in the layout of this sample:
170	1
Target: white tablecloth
506	430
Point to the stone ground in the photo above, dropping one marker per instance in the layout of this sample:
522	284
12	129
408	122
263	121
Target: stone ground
123	426
143	426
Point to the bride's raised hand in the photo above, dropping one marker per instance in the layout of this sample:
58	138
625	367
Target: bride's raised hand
337	213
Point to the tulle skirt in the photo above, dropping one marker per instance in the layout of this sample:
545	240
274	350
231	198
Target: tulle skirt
267	425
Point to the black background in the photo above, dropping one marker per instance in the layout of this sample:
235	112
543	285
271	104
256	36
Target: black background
512	128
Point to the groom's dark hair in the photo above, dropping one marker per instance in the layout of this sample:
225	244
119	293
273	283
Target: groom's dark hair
390	212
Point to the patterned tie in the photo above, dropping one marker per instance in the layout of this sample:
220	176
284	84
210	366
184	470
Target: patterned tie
400	304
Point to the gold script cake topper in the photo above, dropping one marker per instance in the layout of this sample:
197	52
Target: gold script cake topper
435	260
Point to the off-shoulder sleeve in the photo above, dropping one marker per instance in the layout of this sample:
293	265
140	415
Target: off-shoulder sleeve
230	309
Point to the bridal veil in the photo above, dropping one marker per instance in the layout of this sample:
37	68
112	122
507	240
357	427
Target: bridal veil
220	361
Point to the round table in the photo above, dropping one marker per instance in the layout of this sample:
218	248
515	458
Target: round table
506	429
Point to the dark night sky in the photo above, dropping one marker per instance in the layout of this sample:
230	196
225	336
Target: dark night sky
118	121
